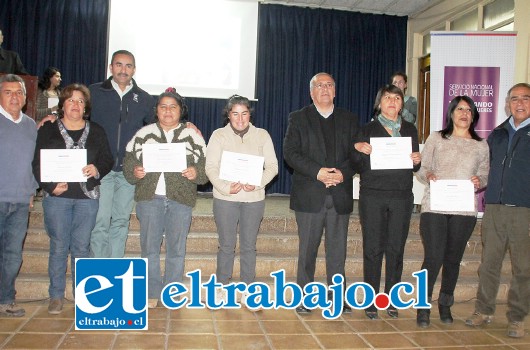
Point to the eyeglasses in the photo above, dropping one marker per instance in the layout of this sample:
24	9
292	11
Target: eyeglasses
321	86
464	109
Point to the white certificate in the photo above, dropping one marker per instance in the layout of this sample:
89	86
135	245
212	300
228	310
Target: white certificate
391	153
243	168
164	157
452	195
62	165
53	101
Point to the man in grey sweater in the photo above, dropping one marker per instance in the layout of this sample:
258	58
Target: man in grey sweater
17	186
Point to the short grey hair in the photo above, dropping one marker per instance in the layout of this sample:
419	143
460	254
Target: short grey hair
12	78
311	82
518	85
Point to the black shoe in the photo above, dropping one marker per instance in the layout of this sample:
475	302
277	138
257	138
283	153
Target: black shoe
445	314
372	315
423	318
346	309
302	310
392	312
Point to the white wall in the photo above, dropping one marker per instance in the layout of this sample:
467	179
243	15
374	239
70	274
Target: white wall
447	10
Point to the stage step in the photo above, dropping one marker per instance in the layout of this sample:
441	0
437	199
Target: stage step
277	248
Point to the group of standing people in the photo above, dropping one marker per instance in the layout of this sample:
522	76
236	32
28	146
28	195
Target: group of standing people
324	146
91	219
317	146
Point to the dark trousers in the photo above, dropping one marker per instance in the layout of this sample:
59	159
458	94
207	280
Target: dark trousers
310	229
385	226
444	240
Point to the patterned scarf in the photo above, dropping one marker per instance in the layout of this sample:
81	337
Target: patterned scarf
80	144
392	125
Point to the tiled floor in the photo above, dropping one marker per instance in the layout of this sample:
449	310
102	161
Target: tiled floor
267	329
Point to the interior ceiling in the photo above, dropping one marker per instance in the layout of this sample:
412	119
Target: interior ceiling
387	7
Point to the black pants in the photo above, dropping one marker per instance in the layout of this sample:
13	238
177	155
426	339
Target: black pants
310	229
444	240
385	226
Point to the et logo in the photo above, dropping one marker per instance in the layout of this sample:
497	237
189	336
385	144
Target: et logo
111	294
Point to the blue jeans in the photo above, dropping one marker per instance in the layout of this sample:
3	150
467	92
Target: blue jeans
158	217
116	202
13	227
69	223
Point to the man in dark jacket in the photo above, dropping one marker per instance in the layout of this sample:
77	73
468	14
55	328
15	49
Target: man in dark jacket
507	216
318	145
121	108
10	61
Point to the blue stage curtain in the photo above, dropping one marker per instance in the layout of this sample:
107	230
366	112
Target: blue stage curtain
360	50
68	34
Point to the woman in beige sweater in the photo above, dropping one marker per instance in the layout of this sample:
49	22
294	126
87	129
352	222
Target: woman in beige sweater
238	202
454	153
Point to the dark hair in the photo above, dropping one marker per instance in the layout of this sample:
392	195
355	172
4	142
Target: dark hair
391	89
231	102
123	52
401	74
12	78
448	130
68	92
181	101
45	80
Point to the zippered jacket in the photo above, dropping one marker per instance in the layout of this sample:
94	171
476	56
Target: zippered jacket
120	118
509	177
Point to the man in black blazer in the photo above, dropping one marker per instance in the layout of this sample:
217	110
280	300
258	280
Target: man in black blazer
10	61
319	146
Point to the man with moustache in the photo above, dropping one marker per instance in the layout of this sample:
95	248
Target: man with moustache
121	108
507	217
17	186
318	145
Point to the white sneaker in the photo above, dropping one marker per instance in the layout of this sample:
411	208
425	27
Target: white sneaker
243	300
152	303
220	296
11	310
244	297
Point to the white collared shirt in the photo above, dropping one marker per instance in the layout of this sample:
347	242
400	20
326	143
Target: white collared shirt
10	117
118	89
326	115
521	125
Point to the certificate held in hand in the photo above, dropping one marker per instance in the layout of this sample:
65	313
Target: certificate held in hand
164	157
62	165
391	153
243	168
452	195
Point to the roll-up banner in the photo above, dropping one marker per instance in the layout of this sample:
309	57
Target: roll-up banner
480	65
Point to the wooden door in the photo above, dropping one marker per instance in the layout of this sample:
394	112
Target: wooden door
424	99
